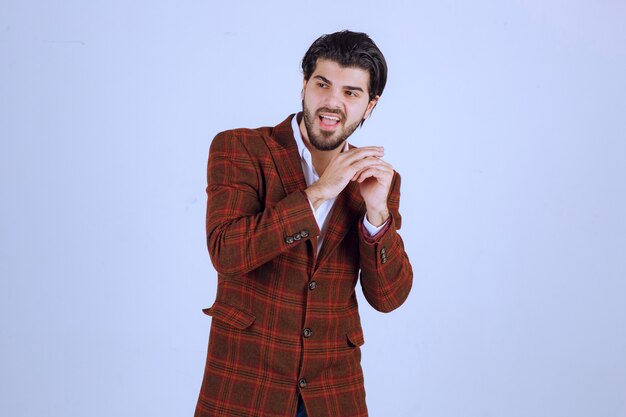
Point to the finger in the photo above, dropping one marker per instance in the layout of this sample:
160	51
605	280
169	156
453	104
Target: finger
380	173
386	164
363	164
375	163
372	162
369	173
383	164
356	154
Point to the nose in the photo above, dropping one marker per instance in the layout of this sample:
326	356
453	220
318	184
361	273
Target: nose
334	98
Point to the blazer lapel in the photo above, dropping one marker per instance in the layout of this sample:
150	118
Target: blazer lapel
284	151
345	212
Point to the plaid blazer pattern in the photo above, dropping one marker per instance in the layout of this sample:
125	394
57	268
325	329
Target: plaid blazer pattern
285	319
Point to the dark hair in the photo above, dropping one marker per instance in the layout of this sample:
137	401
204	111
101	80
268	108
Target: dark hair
349	49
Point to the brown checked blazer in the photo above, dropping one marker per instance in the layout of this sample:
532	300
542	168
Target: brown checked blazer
285	319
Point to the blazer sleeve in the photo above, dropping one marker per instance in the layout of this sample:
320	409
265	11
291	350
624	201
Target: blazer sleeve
242	233
386	273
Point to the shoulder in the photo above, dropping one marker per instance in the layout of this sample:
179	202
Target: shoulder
241	135
254	140
241	142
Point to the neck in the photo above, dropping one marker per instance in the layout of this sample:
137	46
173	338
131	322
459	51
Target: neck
321	159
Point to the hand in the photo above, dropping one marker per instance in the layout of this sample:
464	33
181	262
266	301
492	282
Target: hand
375	183
340	171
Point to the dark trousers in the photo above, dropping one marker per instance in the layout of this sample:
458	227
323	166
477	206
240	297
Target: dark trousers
301	411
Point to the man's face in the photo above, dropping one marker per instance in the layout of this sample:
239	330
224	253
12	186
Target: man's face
335	100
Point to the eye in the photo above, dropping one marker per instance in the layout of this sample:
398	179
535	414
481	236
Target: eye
322	84
351	93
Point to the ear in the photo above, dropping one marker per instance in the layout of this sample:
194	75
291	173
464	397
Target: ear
303	87
370	107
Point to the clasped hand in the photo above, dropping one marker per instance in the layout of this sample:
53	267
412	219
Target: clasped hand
364	166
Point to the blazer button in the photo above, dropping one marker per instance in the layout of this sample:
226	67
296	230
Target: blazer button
312	285
289	240
297	236
304	233
307	332
302	383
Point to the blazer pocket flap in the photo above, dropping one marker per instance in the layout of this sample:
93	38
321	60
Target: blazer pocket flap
355	337
233	316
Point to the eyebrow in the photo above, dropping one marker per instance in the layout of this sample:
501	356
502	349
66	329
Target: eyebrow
347	87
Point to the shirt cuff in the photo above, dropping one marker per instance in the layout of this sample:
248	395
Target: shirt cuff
310	204
373	230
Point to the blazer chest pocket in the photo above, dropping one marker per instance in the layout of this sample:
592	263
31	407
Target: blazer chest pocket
230	315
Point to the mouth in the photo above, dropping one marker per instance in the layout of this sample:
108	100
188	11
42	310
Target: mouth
329	121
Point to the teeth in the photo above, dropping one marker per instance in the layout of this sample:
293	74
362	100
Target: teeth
334	119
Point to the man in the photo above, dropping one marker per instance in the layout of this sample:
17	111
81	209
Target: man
294	217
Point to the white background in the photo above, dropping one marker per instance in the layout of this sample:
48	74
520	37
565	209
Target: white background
505	119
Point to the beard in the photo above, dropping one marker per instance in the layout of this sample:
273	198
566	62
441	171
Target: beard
324	141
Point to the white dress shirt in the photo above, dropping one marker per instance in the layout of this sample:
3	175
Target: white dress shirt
310	176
